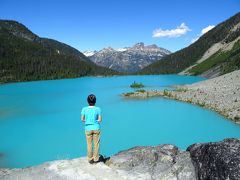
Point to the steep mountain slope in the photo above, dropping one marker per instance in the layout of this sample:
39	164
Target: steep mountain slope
24	56
216	52
222	61
129	59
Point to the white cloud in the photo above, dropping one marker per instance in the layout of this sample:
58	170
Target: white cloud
179	31
203	31
206	29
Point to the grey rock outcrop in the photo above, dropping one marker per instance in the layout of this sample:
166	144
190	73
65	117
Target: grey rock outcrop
159	162
203	161
72	169
217	160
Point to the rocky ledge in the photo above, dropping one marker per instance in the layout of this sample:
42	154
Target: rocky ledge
215	160
221	94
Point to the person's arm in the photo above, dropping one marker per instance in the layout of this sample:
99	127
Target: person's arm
99	115
83	115
99	118
83	118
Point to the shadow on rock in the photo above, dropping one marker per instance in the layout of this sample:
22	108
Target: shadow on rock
103	159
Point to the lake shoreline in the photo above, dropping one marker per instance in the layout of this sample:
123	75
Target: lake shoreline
56	79
89	76
220	94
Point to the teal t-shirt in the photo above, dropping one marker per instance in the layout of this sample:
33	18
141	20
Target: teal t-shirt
91	114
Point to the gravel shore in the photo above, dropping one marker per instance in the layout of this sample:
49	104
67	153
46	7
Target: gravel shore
221	94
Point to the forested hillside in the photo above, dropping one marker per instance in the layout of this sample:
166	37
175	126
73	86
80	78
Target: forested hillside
24	57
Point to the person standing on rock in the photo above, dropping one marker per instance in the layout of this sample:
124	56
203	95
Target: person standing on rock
92	116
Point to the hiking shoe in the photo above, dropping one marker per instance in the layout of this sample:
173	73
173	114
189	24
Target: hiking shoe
91	161
100	159
97	161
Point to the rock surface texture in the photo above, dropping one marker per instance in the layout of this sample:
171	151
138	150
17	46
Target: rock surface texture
160	162
74	169
219	160
203	161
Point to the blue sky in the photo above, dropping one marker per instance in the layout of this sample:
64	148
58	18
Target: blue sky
95	24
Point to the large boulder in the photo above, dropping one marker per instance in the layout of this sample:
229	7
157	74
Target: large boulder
158	162
217	160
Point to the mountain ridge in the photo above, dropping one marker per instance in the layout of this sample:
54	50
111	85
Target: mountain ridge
127	59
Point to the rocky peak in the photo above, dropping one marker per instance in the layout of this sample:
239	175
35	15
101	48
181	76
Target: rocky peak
153	46
139	46
128	59
108	49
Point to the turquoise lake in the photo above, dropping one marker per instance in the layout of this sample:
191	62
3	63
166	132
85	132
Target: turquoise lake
40	121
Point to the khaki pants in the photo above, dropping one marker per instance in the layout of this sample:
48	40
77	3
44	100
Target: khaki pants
93	136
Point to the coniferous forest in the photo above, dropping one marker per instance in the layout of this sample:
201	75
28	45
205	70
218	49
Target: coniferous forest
25	57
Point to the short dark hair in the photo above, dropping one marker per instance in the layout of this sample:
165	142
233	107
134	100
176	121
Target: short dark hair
91	99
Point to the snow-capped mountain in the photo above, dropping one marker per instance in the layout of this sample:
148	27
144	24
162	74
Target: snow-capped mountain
89	53
130	59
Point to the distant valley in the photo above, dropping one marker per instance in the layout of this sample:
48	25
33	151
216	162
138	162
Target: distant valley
128	59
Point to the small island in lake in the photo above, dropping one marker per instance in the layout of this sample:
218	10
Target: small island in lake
136	85
220	94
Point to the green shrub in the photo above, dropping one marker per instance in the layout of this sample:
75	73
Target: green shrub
141	90
136	85
167	93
